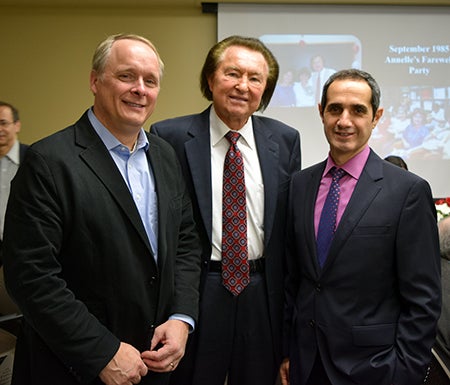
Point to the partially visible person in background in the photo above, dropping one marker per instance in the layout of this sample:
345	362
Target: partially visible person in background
440	368
397	160
100	249
12	153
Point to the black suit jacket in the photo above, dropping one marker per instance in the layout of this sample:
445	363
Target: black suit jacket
78	261
371	312
279	156
22	150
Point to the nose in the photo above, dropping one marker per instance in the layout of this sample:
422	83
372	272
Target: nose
242	84
344	119
139	88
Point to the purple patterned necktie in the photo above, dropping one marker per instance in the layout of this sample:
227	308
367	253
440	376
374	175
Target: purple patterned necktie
327	224
235	268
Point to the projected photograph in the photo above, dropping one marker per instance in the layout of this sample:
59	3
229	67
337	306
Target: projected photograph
306	62
415	124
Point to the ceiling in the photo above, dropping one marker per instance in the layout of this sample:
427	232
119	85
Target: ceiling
197	3
101	3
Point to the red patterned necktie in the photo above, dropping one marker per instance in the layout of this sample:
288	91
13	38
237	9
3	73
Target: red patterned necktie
235	268
327	224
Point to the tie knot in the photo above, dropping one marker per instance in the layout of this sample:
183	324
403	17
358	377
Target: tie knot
337	173
233	136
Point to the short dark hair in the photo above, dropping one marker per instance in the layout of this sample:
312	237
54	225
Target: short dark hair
14	110
398	161
354	74
215	56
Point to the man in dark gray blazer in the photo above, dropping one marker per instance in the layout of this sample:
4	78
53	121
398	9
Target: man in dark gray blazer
367	314
238	336
100	248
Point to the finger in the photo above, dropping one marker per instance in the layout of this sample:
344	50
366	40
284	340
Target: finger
143	370
136	380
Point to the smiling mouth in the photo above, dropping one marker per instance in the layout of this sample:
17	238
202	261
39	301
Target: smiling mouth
135	105
344	134
238	99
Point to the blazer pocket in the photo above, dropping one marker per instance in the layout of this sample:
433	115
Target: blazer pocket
362	231
374	335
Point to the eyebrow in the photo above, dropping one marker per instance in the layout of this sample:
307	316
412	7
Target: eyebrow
356	105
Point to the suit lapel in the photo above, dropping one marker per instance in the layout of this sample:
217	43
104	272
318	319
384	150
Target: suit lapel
367	188
157	165
268	153
97	157
311	187
198	154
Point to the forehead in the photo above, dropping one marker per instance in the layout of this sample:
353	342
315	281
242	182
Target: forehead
349	90
5	111
132	52
243	56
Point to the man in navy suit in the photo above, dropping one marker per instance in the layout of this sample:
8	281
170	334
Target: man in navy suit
238	336
100	249
367	314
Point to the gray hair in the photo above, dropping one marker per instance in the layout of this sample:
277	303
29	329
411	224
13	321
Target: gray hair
103	51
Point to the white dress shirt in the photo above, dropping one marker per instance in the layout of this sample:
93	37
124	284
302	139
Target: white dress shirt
253	183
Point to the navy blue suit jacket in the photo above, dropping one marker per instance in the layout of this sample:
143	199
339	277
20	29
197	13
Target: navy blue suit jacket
371	311
279	156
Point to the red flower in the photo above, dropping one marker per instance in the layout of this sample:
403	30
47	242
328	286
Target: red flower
441	201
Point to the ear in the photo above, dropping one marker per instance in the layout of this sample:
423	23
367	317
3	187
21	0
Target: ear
319	107
18	126
377	116
93	79
210	82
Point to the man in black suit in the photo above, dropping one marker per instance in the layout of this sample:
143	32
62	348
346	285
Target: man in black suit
366	312
100	248
239	335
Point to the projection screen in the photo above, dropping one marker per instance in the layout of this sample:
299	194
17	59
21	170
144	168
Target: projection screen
406	49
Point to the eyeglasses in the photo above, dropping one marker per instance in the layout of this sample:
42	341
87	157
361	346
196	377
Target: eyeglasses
5	123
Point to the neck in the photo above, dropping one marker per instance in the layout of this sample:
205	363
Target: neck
5	149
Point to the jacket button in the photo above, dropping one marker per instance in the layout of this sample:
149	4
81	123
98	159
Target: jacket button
312	323
318	288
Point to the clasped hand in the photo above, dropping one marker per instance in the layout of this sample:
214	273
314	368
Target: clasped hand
167	347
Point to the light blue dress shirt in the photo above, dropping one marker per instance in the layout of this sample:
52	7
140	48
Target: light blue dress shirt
135	170
138	175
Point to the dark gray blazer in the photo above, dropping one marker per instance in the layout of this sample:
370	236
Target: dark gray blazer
78	261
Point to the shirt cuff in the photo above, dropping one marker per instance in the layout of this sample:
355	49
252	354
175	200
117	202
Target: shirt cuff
185	318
